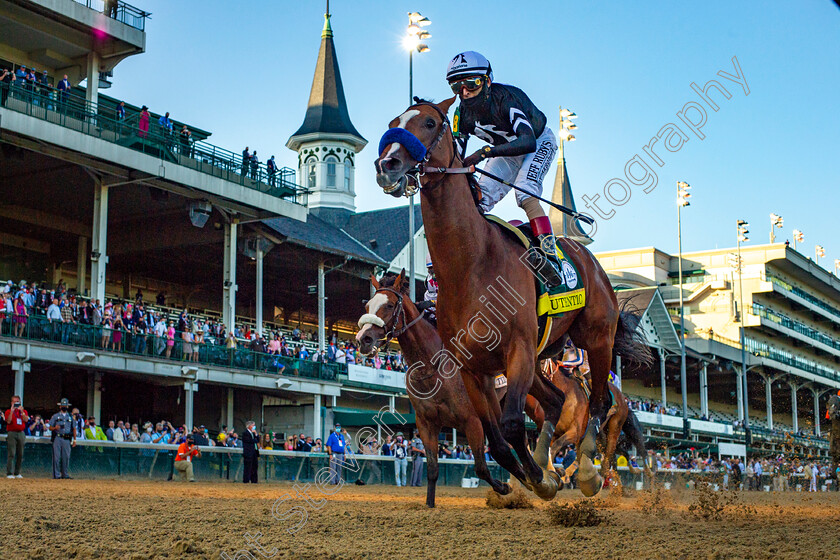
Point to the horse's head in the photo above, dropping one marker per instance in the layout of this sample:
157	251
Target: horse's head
384	312
413	140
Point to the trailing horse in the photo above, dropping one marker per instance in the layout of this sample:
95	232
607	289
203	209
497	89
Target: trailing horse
475	260
438	401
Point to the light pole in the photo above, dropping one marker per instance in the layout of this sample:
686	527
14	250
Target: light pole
776	221
837	267
742	236
682	200
819	251
413	41
798	236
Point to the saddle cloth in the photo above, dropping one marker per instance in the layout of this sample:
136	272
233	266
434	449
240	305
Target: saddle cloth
568	296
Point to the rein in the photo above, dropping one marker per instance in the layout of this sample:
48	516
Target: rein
391	331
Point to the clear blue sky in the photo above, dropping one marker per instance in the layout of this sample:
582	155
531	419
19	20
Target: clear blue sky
244	73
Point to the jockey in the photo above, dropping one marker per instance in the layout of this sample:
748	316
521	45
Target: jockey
431	292
521	149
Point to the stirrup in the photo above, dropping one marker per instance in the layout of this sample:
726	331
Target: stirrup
550	266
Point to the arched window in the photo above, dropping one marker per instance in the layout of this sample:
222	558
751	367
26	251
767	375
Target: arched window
348	167
331	163
311	169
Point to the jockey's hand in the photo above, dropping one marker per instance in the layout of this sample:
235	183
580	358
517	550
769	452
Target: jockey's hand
474	158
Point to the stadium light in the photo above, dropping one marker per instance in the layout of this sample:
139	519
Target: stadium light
776	221
742	231
819	251
798	236
414	41
567	114
836	267
682	201
682	194
566	125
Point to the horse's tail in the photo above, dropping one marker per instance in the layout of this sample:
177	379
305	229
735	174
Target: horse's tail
630	342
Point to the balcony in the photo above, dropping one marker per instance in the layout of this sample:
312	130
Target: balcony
796	329
803	298
73	112
764	350
122	12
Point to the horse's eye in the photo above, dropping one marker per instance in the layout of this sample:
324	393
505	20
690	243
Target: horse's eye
389	306
430	123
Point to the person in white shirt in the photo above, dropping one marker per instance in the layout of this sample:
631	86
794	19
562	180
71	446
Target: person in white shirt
160	336
341	355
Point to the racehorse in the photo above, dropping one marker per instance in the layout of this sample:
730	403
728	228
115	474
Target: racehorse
620	422
438	401
474	259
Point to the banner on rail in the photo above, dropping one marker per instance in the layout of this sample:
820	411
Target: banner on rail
387	378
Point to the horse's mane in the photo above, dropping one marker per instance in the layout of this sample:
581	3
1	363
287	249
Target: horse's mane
419	100
389	278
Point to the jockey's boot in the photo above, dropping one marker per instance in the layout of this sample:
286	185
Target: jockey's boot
551	272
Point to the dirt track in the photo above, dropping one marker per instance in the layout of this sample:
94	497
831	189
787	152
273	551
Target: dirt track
146	520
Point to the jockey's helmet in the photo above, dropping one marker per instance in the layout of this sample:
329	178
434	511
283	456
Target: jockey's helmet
466	64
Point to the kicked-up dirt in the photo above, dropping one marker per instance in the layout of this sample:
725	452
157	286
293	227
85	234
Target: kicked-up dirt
114	519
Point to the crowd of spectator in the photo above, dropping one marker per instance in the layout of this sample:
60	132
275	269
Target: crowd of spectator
60	315
779	472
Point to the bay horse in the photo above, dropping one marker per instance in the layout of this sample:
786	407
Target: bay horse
438	401
474	260
572	424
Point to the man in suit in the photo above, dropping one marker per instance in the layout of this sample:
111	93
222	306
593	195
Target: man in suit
250	452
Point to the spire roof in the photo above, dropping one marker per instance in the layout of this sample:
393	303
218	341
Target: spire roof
327	112
563	224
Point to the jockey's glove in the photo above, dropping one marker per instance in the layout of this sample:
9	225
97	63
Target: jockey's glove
477	156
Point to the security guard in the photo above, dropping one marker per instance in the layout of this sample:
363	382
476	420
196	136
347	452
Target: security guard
64	437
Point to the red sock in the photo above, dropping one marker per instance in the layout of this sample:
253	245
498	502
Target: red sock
541	226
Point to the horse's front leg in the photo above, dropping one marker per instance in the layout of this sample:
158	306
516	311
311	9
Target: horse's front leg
520	376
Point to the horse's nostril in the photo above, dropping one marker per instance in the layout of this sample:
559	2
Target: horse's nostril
390	164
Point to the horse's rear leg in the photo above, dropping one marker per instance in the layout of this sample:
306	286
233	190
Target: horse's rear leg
479	392
475	437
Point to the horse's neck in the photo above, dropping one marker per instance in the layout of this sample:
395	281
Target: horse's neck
451	220
420	342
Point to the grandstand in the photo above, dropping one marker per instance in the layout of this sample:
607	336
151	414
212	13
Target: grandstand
96	202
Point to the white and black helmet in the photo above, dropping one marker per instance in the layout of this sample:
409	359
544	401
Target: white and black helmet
469	63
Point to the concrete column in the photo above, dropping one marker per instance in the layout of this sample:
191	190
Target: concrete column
793	388
322	300
704	390
81	266
21	368
229	288
664	397
229	409
739	386
316	417
99	241
92	92
190	387
768	397
816	392
392	402
259	289
454	438
94	396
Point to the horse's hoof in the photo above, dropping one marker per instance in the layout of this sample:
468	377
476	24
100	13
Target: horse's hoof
591	486
504	489
546	489
556	477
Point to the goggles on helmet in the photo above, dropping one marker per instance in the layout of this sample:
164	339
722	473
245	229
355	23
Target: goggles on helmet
471	84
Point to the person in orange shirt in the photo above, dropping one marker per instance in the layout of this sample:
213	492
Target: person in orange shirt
183	460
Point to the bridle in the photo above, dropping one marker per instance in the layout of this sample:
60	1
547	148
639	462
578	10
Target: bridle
397	317
421	168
